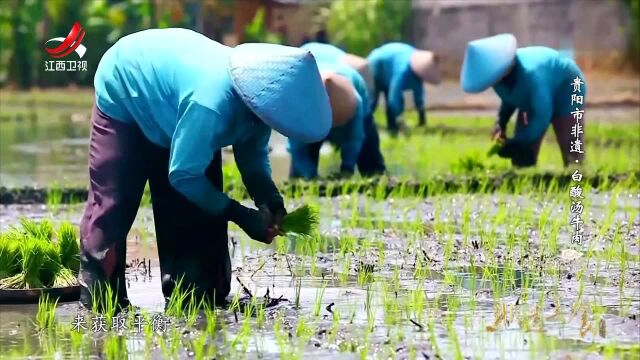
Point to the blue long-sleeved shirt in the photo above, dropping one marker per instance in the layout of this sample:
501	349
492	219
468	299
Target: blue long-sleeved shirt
324	53
390	65
175	85
348	137
540	85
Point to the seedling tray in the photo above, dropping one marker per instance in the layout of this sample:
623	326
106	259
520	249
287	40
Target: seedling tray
31	296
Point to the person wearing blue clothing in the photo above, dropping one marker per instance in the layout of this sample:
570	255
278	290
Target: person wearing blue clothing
545	87
370	160
348	95
327	53
396	68
167	102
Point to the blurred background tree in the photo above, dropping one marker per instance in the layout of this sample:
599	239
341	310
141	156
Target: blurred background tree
25	25
634	36
361	26
256	30
20	49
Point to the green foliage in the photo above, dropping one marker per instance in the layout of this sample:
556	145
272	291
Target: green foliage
69	247
634	28
21	50
361	26
256	30
21	38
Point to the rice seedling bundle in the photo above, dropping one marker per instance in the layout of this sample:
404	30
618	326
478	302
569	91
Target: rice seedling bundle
33	255
10	257
42	230
68	246
50	263
29	258
302	221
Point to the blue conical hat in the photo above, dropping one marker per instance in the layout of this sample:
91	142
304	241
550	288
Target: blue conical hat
486	61
282	86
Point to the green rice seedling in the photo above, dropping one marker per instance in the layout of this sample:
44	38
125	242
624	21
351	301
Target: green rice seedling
46	314
177	306
42	230
199	345
69	247
298	291
33	256
211	316
104	301
317	306
115	347
50	267
10	256
303	330
77	340
54	196
303	221
235	303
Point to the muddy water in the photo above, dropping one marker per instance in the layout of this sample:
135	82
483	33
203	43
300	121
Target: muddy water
464	299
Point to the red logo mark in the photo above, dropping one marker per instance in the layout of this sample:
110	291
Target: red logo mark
69	44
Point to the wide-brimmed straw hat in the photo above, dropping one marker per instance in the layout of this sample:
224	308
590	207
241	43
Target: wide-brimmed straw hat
362	66
342	97
282	86
425	65
486	61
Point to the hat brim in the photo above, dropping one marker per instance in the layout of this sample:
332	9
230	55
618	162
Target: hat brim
362	66
282	86
342	97
423	63
486	61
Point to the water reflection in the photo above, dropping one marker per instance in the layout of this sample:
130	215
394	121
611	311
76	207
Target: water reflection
55	151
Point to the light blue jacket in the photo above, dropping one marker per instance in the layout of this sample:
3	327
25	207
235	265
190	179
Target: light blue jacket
392	74
348	137
324	53
541	86
175	85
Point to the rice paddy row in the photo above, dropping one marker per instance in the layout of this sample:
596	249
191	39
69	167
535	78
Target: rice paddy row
454	276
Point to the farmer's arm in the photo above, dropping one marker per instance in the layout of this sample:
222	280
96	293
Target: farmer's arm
354	137
192	149
252	158
418	99
504	114
538	119
301	161
395	100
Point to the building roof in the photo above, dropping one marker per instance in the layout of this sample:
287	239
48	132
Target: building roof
427	4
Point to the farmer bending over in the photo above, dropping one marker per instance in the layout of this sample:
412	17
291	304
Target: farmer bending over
370	160
347	94
545	86
167	101
397	67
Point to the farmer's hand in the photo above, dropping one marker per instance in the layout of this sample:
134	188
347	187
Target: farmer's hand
498	134
258	224
422	118
278	212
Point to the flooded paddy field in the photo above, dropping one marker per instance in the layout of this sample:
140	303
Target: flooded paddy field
452	276
421	265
